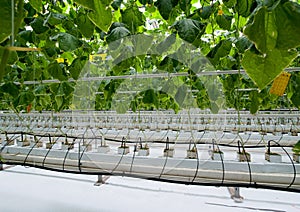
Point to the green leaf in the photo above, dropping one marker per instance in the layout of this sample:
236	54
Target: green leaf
10	88
38	26
296	99
25	98
214	108
181	94
150	97
296	147
85	26
205	12
55	19
166	44
44	101
224	21
59	100
230	3
51	51
254	106
243	7
116	4
56	71
189	30
90	4
67	42
164	7
264	23
263	69
142	43
76	67
222	49
242	44
67	88
27	36
5	20
37	5
101	14
288	25
121	108
12	56
117	33
133	18
185	5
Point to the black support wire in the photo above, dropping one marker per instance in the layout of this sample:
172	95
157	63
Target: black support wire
247	159
167	148
222	161
134	152
197	157
36	142
123	144
293	165
70	146
50	147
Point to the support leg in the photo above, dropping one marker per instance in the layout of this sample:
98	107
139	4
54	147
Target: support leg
1	166
101	180
235	194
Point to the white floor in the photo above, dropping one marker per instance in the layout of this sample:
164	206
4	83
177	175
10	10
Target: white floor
29	189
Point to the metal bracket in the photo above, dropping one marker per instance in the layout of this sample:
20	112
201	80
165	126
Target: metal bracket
101	180
235	194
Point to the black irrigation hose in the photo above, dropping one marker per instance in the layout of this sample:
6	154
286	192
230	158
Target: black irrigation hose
48	149
167	143
222	161
83	151
167	155
198	161
35	143
293	164
153	141
3	147
80	156
121	158
133	156
244	152
68	150
245	185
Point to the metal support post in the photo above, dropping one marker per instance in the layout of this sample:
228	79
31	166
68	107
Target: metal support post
100	181
235	194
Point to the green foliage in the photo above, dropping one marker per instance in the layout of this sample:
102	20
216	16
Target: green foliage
132	18
296	148
6	21
100	14
258	36
263	68
189	30
274	42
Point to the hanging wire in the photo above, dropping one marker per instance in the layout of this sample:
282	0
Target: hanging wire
167	148
240	145
222	160
12	22
123	144
198	160
293	165
146	76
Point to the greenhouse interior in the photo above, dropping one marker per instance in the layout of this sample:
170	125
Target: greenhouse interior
188	100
